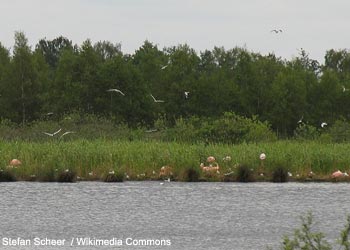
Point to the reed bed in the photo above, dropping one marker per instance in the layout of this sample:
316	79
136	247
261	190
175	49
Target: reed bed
142	160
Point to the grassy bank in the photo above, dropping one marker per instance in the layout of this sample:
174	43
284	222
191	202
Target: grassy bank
140	160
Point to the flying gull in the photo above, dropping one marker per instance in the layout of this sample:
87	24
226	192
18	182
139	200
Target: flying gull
66	133
116	90
155	100
53	134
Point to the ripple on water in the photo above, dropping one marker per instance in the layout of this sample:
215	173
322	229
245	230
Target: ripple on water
192	215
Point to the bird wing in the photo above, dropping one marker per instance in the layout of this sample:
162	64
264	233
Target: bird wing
111	90
154	99
47	134
57	132
120	92
66	133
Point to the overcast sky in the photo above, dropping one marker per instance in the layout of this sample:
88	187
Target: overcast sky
314	25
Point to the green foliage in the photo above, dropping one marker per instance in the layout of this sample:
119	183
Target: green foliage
279	174
46	159
87	126
344	235
6	176
66	176
114	177
340	131
8	129
306	132
46	174
229	128
244	173
306	239
264	93
21	84
190	174
51	50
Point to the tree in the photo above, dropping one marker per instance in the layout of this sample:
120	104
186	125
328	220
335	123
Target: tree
289	101
107	50
23	87
328	98
52	50
150	60
65	92
181	75
4	75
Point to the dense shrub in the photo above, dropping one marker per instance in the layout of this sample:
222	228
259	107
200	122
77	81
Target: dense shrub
244	174
6	176
229	128
339	131
66	176
114	177
190	174
84	127
9	130
279	174
307	238
306	132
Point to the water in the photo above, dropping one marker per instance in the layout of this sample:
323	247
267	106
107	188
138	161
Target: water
186	215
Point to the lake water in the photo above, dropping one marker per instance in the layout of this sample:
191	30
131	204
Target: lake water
183	215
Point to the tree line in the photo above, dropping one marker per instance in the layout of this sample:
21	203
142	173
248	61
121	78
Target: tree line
58	77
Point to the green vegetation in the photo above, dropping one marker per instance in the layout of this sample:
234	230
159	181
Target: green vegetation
244	173
142	160
6	176
114	177
222	103
306	238
191	174
279	174
58	78
66	176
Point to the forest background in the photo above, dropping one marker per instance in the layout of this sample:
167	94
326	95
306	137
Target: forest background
223	95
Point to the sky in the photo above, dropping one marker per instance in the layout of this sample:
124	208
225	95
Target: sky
313	25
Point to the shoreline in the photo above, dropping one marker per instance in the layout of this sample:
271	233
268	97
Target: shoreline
200	180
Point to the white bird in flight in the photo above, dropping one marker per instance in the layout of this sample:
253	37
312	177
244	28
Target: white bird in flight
323	124
164	67
66	133
344	89
155	100
53	134
116	90
186	94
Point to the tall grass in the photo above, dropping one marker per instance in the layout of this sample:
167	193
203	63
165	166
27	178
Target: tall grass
145	158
